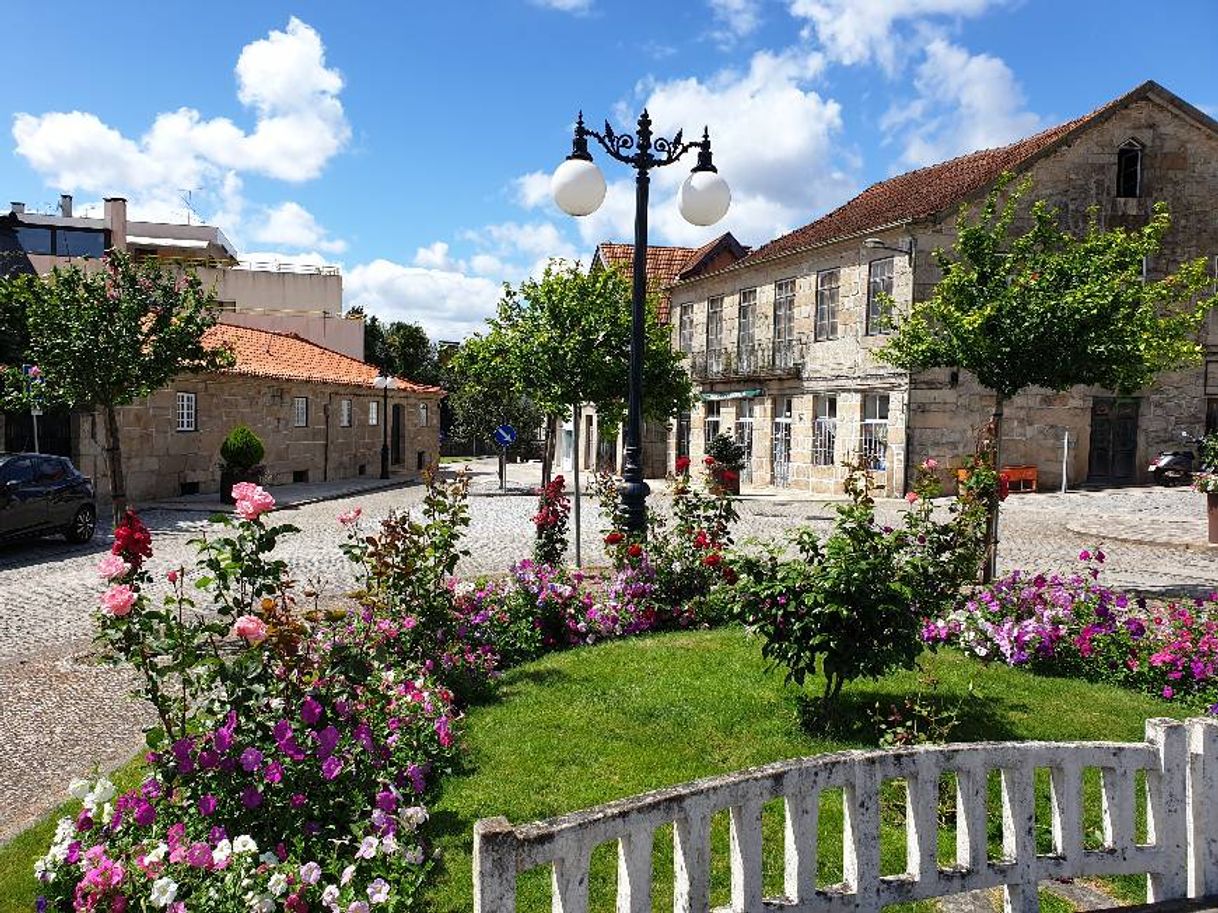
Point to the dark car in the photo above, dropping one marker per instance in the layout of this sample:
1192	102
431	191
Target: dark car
42	494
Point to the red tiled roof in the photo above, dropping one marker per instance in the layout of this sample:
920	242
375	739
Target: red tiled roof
664	264
931	191
285	356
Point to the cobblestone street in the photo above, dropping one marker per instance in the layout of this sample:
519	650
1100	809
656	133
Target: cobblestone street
63	713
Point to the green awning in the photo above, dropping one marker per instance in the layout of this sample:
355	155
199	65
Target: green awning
730	394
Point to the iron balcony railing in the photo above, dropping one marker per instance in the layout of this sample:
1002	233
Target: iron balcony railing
767	359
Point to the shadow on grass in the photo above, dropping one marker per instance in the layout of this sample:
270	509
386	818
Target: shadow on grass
861	717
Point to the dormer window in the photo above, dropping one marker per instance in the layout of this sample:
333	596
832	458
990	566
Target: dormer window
1129	169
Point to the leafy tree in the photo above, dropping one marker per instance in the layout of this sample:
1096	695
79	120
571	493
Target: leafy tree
1044	308
403	349
486	390
105	337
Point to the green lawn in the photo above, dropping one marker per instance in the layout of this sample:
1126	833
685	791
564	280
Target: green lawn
579	728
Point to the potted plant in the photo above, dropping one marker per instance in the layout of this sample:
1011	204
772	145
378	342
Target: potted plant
1207	484
724	462
240	460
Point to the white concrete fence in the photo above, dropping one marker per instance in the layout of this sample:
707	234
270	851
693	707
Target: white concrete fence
1180	855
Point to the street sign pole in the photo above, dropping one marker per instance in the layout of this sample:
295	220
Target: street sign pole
505	436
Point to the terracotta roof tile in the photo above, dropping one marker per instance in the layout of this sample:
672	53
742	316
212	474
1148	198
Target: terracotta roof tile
664	264
286	356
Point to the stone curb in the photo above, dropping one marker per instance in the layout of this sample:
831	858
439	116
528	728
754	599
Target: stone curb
215	507
1106	535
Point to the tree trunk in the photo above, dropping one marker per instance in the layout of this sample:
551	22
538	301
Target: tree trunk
547	457
575	416
990	569
114	462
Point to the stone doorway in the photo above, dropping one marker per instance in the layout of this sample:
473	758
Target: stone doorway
395	436
1112	458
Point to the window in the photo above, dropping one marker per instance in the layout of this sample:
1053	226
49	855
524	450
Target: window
78	242
710	427
300	412
781	443
18	469
51	471
422	415
685	328
784	322
874	438
745	326
714	334
186	412
228	307
879	295
744	435
824	430
34	240
827	282
344	413
1129	169
374	412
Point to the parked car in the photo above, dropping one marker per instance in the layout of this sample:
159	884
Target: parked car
42	494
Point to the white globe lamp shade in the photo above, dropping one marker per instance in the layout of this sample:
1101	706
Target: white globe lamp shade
578	187
704	198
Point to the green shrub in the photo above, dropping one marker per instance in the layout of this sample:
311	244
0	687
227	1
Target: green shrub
242	449
726	452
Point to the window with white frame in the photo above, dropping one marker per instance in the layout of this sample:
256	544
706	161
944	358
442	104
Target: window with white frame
710	426
344	413
784	322
827	282
374	412
879	295
187	414
685	328
423	416
824	429
744	435
746	323
714	334
300	412
874	437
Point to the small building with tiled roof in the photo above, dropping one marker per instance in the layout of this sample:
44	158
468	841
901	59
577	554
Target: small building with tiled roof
780	340
317	411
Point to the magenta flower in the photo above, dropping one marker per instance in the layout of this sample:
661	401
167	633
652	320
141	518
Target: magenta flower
251	797
251	760
310	711
331	767
207	805
274	772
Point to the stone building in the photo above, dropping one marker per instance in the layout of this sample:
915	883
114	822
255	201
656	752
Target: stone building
316	411
780	339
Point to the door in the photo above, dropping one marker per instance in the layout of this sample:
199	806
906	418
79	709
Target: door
744	437
58	490
782	442
589	431
395	436
1114	441
23	506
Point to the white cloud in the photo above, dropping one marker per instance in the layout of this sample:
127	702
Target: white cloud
291	225
434	256
299	125
532	189
566	6
863	31
965	102
448	304
734	19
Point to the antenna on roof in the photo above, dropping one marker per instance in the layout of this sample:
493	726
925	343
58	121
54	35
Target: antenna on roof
185	195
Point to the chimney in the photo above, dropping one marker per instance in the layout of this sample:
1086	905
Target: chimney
116	222
16	207
65	205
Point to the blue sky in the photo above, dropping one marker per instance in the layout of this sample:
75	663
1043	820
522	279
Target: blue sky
411	142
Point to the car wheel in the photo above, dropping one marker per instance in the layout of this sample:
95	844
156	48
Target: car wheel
83	525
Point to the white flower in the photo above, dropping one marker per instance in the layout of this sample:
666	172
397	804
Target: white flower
107	813
414	855
389	844
220	854
330	894
357	906
414	816
378	891
157	853
244	844
164	890
367	848
64	829
310	872
78	789
264	903
42	872
347	875
277	883
269	859
100	794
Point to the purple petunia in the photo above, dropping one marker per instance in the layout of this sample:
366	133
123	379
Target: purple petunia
251	797
251	760
207	805
310	711
331	767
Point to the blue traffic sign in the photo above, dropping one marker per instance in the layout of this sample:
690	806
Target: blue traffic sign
505	435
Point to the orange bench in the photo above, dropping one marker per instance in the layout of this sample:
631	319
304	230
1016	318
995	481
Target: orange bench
1019	478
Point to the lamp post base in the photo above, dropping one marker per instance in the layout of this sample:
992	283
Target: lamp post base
385	462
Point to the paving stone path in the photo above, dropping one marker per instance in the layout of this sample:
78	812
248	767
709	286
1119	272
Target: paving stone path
62	713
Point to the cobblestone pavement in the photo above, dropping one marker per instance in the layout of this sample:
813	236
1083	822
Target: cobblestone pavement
63	713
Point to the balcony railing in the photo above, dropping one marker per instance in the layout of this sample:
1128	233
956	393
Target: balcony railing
768	359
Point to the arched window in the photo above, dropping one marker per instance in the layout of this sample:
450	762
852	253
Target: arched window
1129	169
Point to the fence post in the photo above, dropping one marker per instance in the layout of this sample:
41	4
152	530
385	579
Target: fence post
1166	826
1202	809
494	866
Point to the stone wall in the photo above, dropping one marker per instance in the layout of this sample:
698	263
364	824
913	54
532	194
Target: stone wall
160	461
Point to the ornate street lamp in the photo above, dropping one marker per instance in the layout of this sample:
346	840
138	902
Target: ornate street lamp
384	383
579	188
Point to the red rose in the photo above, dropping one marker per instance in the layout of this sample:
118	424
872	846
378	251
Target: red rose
635	550
702	540
728	475
614	538
708	461
682	464
729	574
712	559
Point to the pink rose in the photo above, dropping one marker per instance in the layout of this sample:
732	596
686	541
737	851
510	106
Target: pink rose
911	496
118	600
252	628
172	576
351	517
931	463
252	500
112	567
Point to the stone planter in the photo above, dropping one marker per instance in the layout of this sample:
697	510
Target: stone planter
1211	510
230	477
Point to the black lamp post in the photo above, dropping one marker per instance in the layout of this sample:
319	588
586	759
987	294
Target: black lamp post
384	382
579	189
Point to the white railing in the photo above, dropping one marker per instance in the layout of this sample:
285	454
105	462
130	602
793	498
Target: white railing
1180	855
288	266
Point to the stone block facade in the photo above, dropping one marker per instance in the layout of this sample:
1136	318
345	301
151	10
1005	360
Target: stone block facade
836	387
